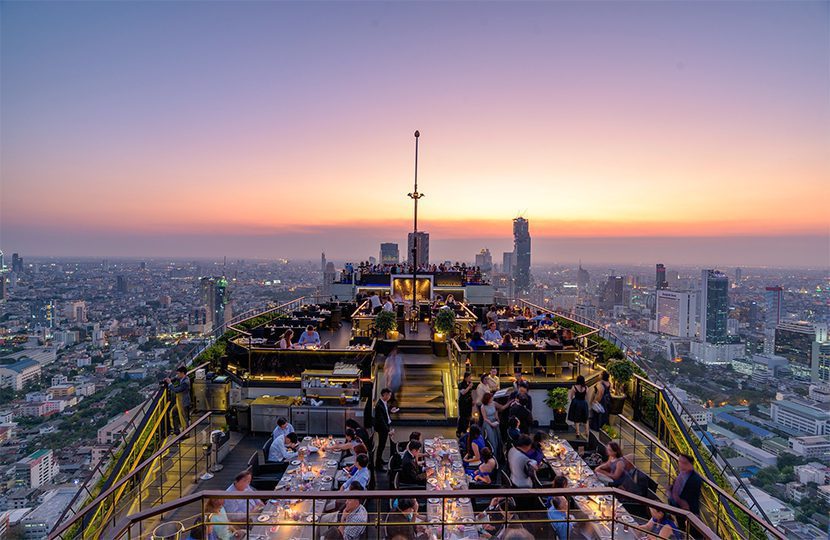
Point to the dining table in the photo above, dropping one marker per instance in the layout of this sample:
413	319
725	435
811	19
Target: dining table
444	457
313	470
608	517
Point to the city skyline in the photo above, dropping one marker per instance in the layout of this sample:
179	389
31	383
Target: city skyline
703	142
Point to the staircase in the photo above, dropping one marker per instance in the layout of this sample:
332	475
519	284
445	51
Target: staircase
421	398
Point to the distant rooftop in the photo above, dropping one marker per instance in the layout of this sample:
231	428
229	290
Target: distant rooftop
813	411
21	365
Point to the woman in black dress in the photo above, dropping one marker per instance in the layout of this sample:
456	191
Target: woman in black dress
578	411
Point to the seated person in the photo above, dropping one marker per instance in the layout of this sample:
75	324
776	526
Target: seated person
507	343
353	444
285	340
353	515
412	472
492	333
520	411
558	511
284	448
662	525
472	450
310	336
360	431
488	468
413	436
614	468
238	509
536	453
283	428
400	523
200	531
477	342
513	431
495	515
361	475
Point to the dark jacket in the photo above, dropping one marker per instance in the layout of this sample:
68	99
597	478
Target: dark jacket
404	530
380	417
411	472
691	492
182	388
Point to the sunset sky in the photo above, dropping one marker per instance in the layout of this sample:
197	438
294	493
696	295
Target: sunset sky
285	129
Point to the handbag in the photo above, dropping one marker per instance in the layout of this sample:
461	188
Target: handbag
597	407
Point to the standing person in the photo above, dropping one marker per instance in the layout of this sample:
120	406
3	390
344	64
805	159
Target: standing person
374	303
492	316
490	420
181	389
388	305
684	492
383	422
521	466
393	371
465	402
601	401
578	411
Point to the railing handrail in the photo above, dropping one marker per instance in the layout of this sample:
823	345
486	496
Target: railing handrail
617	493
662	387
141	466
652	439
356	312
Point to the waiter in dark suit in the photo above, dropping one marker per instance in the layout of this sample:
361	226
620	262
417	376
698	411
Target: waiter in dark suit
382	421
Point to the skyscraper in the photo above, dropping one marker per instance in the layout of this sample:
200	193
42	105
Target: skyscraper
17	263
389	253
418	242
122	285
484	260
714	306
507	260
582	277
774	300
738	275
215	300
521	247
660	281
323	262
613	294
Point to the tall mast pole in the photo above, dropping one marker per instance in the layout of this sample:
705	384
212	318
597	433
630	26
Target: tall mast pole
415	196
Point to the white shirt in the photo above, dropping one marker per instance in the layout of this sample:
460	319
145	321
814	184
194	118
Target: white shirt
282	430
388	306
278	451
492	335
374	301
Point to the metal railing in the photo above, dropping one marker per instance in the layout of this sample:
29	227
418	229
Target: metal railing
666	419
719	509
301	511
168	474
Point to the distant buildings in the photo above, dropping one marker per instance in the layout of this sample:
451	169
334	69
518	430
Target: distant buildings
812	447
215	299
484	260
583	278
418	248
76	311
806	347
521	249
660	279
19	373
676	313
36	469
118	427
507	258
714	306
40	521
800	417
613	294
389	253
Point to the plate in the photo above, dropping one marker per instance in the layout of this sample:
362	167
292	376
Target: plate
262	518
433	482
295	462
434	500
331	463
327	479
313	449
306	438
463	500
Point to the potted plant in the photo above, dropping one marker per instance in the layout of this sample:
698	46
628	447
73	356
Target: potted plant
557	400
611	432
621	372
385	325
444	326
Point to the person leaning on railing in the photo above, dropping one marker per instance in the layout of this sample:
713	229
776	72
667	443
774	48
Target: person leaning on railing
181	389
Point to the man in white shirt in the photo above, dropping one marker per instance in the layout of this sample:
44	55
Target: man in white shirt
283	428
361	475
388	305
236	508
492	333
374	302
283	448
310	336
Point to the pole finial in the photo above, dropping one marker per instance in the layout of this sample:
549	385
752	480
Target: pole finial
417	133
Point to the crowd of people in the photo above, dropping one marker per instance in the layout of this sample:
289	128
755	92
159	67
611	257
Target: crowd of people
469	274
